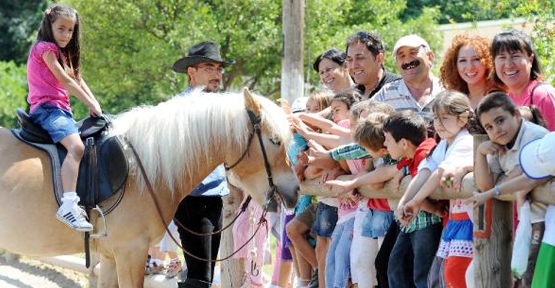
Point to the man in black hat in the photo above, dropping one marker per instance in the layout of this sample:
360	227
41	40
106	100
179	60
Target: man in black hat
201	211
203	65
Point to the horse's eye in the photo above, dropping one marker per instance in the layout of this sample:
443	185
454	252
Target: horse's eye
275	141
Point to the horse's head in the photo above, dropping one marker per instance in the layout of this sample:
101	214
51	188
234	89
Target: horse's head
249	172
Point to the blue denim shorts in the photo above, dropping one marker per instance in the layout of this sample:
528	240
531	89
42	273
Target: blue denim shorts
376	223
326	218
57	122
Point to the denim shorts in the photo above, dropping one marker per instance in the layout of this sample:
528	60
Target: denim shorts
57	122
326	218
376	223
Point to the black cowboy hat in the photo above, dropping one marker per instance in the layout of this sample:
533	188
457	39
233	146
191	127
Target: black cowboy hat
207	51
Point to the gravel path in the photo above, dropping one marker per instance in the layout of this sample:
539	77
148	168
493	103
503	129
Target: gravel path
28	273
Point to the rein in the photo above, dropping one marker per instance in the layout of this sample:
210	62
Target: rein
271	192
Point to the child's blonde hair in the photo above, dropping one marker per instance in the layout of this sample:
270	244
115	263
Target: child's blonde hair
370	133
370	106
322	98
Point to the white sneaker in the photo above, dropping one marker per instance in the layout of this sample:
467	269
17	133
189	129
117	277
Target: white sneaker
74	217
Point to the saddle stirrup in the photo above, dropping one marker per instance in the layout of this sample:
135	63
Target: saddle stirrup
102	233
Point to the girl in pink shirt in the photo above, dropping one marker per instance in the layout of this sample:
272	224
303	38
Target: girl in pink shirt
52	72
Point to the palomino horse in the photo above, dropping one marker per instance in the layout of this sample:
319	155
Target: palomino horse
179	142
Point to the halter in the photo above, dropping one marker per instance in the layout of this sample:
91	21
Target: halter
270	193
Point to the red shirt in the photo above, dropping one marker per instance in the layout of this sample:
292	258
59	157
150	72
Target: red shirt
420	154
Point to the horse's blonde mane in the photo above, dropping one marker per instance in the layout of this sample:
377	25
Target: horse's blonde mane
176	137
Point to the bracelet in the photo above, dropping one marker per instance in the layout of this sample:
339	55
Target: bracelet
496	191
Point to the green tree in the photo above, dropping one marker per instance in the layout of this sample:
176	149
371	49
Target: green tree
13	94
541	13
458	11
129	47
382	17
19	23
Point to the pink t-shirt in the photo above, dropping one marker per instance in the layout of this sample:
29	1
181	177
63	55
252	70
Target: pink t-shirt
44	88
543	98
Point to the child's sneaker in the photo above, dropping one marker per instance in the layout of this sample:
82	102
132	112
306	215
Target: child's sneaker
75	217
156	268
174	268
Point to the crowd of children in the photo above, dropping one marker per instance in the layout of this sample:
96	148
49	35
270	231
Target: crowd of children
429	243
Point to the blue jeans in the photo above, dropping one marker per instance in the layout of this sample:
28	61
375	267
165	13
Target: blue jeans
326	218
338	264
376	223
412	257
57	122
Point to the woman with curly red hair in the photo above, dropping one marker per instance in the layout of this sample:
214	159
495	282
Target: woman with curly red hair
467	67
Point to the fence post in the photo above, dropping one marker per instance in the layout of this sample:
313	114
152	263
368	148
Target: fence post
493	229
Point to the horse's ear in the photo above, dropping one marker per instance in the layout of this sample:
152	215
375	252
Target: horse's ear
250	102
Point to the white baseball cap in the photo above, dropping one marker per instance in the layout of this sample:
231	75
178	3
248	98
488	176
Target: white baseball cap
537	157
299	105
411	41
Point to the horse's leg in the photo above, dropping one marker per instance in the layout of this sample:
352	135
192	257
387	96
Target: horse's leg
130	265
108	276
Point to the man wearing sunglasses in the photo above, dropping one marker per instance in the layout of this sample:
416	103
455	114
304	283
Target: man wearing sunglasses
201	211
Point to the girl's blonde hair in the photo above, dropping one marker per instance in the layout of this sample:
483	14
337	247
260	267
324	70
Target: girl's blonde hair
322	97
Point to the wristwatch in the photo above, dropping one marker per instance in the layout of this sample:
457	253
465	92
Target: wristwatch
496	191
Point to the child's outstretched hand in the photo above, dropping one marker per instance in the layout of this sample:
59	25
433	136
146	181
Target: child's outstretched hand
317	150
343	186
300	165
284	105
452	178
332	174
479	198
298	124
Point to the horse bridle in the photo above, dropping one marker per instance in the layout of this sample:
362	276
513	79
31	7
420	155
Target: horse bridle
271	192
255	120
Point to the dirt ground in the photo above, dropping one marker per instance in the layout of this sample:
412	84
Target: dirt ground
28	273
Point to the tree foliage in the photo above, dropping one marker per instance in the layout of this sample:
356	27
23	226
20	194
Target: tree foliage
129	47
19	22
458	11
13	93
542	14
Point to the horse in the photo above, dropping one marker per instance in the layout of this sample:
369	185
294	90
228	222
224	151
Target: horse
179	142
